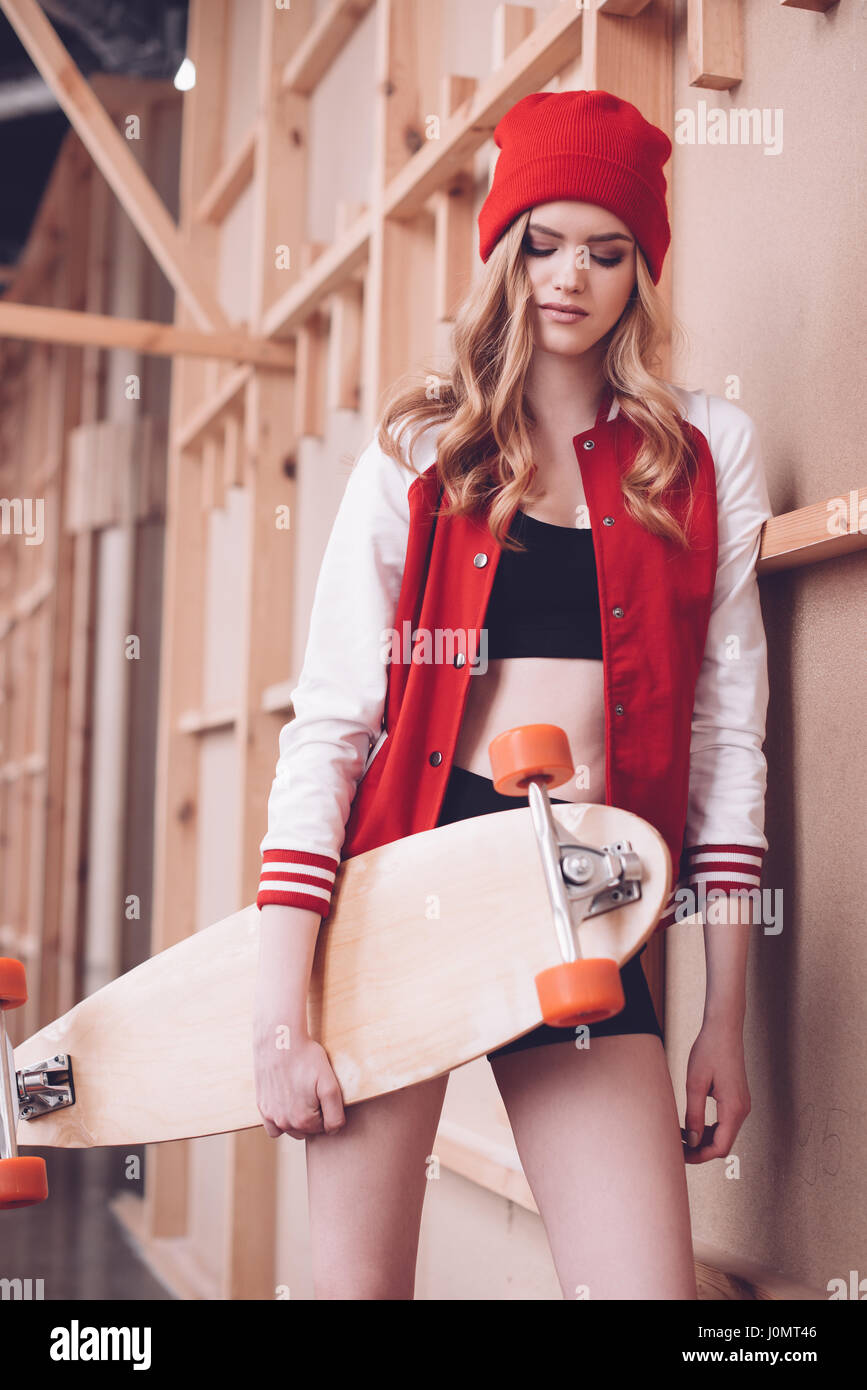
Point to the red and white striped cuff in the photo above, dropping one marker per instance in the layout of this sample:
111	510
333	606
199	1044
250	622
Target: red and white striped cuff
297	878
707	867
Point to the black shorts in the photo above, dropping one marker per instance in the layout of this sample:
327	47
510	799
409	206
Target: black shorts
467	794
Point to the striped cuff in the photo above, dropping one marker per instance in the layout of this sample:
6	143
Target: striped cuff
297	878
704	868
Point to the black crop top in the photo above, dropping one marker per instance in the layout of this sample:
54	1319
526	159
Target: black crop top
545	600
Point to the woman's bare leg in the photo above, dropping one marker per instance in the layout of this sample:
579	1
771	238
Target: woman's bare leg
599	1140
366	1187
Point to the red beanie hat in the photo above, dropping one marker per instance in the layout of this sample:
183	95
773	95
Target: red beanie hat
590	146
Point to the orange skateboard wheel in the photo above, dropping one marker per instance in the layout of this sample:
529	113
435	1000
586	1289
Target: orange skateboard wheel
23	1181
13	984
530	751
580	991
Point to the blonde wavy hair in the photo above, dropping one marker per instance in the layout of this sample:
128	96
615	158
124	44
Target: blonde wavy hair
485	450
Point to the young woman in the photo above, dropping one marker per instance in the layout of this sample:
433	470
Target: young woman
599	527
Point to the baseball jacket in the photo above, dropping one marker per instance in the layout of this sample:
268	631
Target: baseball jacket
366	757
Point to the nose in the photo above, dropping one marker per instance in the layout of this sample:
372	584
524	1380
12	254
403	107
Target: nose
570	273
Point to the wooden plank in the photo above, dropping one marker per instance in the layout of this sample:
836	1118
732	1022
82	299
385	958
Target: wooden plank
196	721
210	414
626	8
310	370
321	45
229	183
398	304
113	156
723	1276
346	315
331	272
251	1194
233	452
816	6
512	25
715	44
820	531
454	234
209	468
282	143
311	378
175	836
69	326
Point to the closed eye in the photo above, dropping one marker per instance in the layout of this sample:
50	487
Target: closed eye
532	250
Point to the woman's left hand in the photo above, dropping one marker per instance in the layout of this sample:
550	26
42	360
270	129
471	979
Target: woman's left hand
715	1067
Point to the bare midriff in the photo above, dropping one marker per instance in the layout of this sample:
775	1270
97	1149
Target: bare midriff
565	691
539	690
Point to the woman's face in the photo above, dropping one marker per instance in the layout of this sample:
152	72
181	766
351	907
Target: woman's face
583	257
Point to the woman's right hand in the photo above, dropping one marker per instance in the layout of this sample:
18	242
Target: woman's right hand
297	1092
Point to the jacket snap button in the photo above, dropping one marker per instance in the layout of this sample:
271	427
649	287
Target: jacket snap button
618	709
589	444
460	659
608	521
480	560
435	759
618	612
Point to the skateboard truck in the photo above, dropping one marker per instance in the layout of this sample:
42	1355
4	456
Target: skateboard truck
45	1086
599	880
525	761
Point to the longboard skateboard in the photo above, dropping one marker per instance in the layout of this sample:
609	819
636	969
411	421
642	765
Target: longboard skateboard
438	948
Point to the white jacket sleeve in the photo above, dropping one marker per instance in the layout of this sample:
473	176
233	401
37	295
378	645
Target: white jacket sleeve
724	840
339	700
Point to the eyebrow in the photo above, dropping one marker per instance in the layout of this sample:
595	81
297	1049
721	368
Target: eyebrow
602	236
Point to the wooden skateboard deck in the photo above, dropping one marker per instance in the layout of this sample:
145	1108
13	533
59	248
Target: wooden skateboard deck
427	960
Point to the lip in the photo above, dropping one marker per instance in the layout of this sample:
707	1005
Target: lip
563	313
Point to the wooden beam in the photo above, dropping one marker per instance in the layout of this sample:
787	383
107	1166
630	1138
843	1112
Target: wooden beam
330	272
721	1276
196	721
453	213
817	6
626	8
317	51
213	411
70	326
512	25
310	371
715	43
233	452
346	316
111	153
224	191
174	891
820	531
